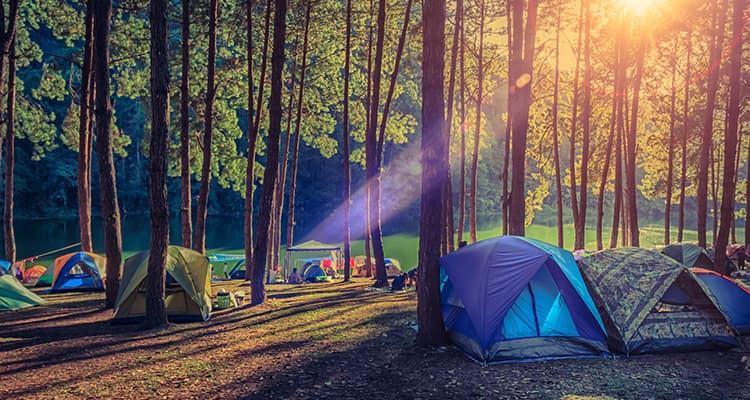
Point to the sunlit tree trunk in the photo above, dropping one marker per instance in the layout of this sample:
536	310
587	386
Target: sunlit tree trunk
368	105
708	121
107	183
186	205
580	236
555	130
381	280
258	292
477	128
574	124
201	211
524	39
684	139
253	128
156	311
462	149
632	203
84	132
608	152
281	189
730	143
429	310
10	148
714	186
670	151
347	166
506	151
618	99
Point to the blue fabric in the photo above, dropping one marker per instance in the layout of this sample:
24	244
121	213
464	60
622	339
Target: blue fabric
733	300
68	281
510	288
5	266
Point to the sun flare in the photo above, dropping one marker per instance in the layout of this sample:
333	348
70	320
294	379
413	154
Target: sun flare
638	7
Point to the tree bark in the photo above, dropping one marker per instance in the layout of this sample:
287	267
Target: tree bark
107	182
574	125
84	133
368	105
684	138
201	211
284	165
10	139
297	133
477	126
555	130
347	171
156	311
462	111
253	129
708	120
258	293
429	310
619	100
448	193
509	92
381	279
186	206
580	237
631	151
523	54
608	152
670	151
729	186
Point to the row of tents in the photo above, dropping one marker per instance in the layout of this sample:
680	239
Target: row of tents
188	284
514	299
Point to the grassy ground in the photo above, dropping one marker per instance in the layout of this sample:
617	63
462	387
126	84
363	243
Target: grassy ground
330	340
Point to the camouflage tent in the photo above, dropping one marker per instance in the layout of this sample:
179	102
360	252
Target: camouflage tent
691	255
653	304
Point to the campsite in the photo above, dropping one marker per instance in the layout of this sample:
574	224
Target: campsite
383	199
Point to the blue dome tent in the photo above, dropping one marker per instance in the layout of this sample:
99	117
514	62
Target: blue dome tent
514	299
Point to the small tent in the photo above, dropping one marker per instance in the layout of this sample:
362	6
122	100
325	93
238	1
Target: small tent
653	304
78	272
733	297
690	255
513	298
32	275
13	295
315	273
188	287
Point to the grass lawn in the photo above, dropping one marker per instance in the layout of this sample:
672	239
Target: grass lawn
331	340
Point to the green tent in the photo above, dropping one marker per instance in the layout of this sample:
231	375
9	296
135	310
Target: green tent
13	295
188	287
653	304
690	255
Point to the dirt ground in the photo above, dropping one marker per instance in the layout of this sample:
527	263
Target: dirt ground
319	341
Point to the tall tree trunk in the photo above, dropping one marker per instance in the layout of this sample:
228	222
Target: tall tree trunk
708	121
730	143
448	194
368	105
107	182
297	133
631	151
208	134
284	166
429	310
670	151
258	292
253	128
574	124
462	111
509	92
619	100
7	40
586	125
737	165
524	39
347	166
156	311
477	127
10	139
186	205
84	133
555	130
714	160
684	138
381	280
608	151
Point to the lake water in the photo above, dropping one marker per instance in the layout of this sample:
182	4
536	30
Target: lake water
35	237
